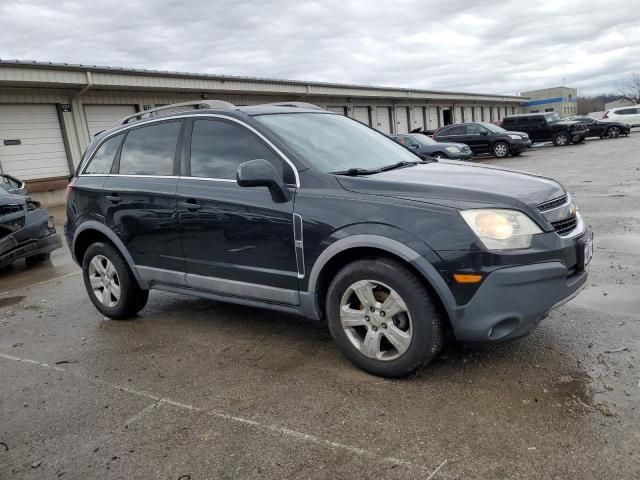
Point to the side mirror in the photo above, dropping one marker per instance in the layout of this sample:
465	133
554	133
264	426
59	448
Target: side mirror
484	133
414	146
261	173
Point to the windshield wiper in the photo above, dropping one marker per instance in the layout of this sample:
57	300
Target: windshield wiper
402	164
354	172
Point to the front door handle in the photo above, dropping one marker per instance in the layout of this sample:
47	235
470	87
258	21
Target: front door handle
114	198
190	205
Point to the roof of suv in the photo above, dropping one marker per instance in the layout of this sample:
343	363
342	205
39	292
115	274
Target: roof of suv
251	110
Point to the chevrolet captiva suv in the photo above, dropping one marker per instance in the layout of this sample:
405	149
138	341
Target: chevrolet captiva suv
293	208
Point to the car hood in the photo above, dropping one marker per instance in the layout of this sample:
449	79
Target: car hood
458	185
511	132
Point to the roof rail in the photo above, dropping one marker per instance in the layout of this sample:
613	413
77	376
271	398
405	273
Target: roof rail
296	105
195	105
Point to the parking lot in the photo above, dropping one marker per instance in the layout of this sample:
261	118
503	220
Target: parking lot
195	389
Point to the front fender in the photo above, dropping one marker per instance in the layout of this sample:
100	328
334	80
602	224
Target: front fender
395	242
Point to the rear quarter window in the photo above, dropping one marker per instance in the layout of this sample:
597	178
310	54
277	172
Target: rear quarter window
102	161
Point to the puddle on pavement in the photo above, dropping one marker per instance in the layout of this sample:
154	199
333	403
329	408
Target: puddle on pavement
628	243
8	301
616	299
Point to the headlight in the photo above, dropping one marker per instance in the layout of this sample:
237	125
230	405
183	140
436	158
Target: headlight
501	229
515	137
452	149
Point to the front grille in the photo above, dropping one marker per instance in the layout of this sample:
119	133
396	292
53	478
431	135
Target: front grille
565	226
551	204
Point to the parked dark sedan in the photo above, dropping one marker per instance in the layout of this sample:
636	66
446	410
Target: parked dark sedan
602	129
484	137
428	146
26	230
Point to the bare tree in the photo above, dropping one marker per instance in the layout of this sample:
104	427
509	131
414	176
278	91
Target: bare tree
630	89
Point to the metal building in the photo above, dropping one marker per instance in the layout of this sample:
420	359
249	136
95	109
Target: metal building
49	112
561	100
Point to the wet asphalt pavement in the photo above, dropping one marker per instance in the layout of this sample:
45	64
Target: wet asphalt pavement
195	389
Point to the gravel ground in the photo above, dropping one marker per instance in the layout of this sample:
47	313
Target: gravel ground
194	389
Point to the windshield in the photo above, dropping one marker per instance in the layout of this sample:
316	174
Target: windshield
552	118
335	143
493	128
3	191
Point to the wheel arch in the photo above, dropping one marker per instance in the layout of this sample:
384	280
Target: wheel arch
92	231
356	247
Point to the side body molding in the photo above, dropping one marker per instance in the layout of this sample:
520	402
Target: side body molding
308	299
95	225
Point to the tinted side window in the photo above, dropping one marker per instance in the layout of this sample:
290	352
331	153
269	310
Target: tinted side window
457	130
150	150
474	130
218	148
103	158
626	111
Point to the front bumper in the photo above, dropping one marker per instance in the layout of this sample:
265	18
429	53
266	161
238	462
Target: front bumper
41	245
511	301
519	145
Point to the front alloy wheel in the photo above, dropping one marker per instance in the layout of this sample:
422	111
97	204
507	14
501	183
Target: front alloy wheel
376	320
613	132
501	150
382	317
104	281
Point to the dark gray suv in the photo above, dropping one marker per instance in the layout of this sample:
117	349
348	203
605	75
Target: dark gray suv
297	209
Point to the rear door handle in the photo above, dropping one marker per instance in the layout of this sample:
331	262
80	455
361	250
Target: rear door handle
114	198
190	205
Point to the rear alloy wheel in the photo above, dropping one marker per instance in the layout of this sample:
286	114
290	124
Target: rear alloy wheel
500	150
383	318
613	132
561	139
111	286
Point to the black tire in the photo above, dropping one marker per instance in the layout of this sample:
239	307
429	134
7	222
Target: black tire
561	139
500	150
613	132
427	332
132	298
578	139
37	259
439	155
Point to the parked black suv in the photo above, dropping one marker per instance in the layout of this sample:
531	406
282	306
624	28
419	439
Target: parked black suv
485	138
547	127
308	212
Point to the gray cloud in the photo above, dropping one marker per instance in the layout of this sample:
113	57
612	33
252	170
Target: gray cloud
494	47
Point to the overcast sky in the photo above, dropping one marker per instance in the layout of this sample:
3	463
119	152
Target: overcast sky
469	45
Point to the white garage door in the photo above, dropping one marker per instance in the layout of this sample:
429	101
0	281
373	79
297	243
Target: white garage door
467	114
104	117
417	117
432	118
402	120
31	144
339	110
361	114
383	119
